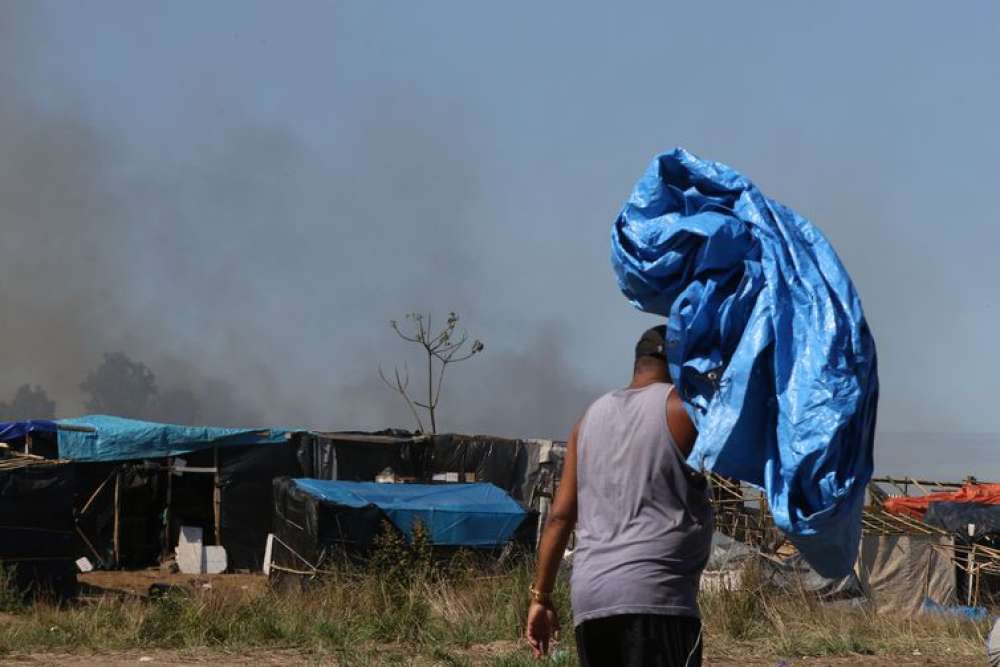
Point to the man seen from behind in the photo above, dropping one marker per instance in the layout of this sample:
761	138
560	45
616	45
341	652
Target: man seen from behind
643	525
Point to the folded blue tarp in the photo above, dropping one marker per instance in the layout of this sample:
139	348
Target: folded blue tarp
767	343
104	438
10	431
469	515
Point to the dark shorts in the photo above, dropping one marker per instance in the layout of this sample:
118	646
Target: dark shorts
640	640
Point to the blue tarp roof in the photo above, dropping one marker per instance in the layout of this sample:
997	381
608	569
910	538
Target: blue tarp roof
119	439
472	515
16	430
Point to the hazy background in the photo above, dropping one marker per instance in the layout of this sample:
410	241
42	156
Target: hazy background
239	196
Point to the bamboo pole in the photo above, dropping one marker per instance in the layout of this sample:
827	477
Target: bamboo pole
166	510
926	482
217	500
117	534
90	500
970	575
100	561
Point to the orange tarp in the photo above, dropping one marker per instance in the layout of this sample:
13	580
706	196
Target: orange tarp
915	506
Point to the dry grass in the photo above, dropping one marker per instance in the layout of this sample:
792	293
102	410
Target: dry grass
419	615
759	622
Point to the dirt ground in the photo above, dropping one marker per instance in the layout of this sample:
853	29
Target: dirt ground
138	582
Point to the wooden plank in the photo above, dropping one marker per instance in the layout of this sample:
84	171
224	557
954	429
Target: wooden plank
217	500
166	510
78	429
117	528
893	480
371	439
197	469
90	500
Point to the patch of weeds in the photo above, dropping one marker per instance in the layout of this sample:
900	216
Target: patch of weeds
446	658
11	597
559	657
162	624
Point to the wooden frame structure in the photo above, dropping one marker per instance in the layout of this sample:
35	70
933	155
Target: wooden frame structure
741	513
974	559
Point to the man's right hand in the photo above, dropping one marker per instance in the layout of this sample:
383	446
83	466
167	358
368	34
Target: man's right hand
542	628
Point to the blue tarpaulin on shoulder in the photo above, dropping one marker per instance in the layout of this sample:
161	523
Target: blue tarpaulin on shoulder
767	344
105	438
469	515
10	431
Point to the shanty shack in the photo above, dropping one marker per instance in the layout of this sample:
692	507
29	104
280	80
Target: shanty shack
526	469
925	544
138	482
135	483
319	521
962	519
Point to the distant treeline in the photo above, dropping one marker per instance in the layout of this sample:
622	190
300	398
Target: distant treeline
119	386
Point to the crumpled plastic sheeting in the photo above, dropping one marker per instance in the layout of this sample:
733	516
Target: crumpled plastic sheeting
767	344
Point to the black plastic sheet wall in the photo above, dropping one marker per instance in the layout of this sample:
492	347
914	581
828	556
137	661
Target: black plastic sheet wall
956	517
246	475
353	457
37	534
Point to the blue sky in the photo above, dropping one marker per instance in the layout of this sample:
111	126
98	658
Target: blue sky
246	192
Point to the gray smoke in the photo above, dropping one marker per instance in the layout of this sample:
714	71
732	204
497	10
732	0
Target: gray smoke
252	275
241	197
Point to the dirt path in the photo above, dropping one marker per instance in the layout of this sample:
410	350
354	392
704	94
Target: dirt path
474	655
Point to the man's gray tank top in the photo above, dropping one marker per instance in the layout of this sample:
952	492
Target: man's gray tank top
644	520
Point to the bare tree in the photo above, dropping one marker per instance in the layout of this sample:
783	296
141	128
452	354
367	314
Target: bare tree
441	349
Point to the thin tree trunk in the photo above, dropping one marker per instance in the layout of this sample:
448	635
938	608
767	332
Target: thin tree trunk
430	390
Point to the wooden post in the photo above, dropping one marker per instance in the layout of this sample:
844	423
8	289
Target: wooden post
970	577
117	528
166	510
217	500
27	443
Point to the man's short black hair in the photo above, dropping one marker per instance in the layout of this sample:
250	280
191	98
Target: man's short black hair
652	343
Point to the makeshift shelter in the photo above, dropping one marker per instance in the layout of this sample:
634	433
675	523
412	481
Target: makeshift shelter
140	481
37	534
137	482
528	469
316	519
903	561
943	511
900	572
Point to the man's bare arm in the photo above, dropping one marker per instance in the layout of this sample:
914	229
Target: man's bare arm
679	423
562	519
